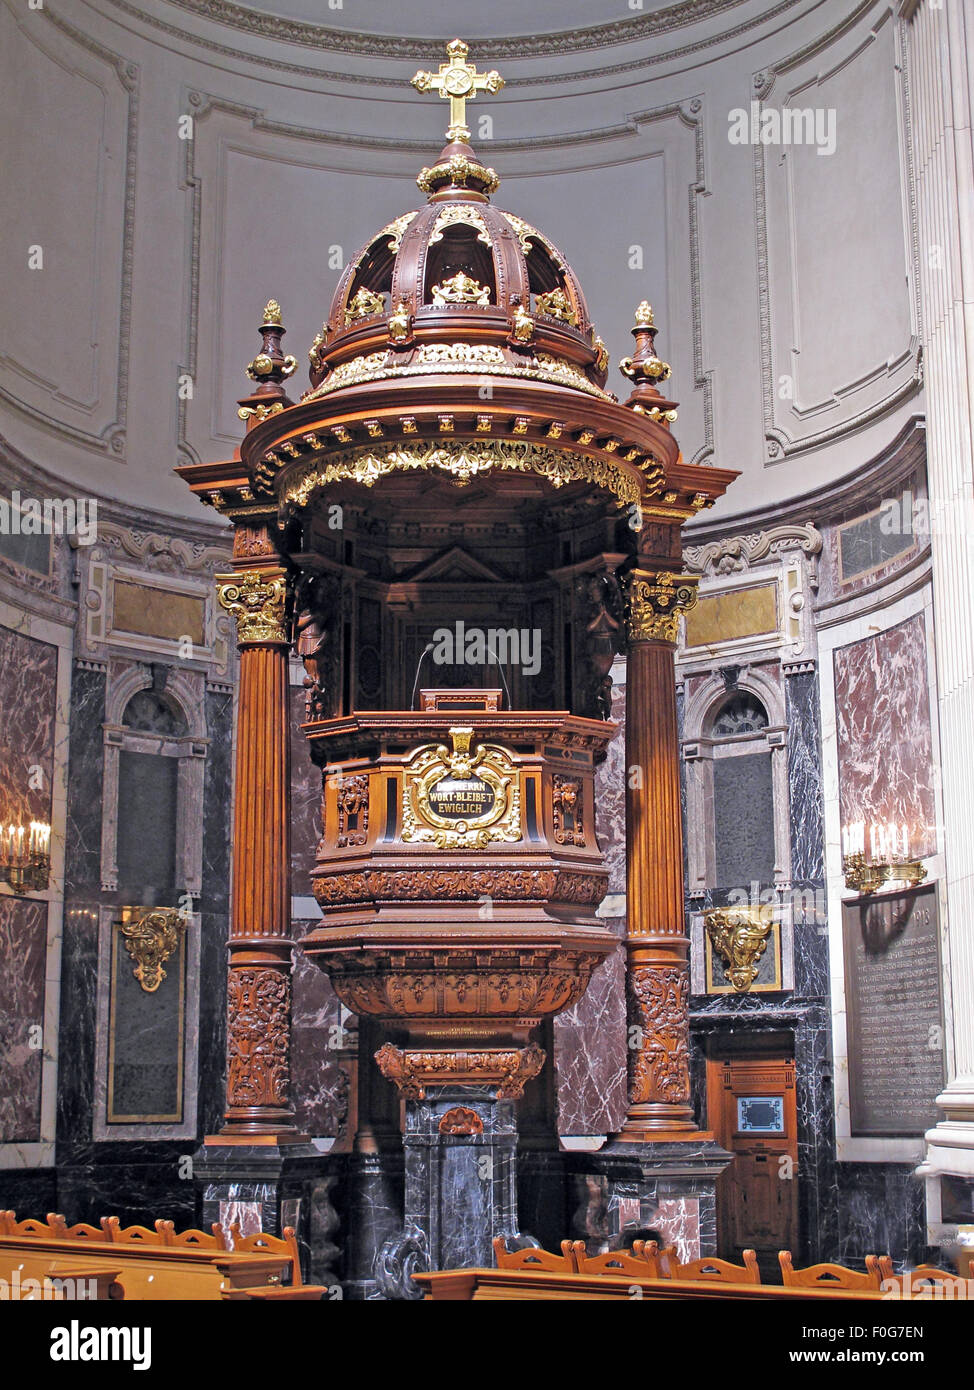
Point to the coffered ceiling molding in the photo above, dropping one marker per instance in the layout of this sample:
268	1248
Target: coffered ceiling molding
836	272
64	351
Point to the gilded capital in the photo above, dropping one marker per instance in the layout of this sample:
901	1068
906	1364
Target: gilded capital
654	603
257	601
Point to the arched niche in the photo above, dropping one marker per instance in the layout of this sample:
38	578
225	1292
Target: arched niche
154	764
736	755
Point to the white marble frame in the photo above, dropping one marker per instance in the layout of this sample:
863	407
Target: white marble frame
101	1129
699	752
190	749
877	620
40	1154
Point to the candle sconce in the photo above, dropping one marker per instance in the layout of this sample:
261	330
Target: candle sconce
889	863
865	876
25	859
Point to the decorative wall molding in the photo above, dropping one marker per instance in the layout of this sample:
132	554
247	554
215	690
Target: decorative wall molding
162	552
903	369
112	436
736	554
321	37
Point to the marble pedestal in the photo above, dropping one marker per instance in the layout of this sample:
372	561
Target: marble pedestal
268	1187
460	1190
630	1189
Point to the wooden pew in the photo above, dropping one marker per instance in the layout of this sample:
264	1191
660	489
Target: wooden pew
155	1264
828	1275
493	1285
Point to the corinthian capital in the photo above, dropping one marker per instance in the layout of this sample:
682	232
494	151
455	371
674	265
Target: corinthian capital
654	602
256	600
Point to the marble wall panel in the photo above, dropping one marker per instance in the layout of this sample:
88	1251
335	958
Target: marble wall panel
28	694
23	951
214	908
590	1051
885	741
85	774
610	796
805	778
319	1082
590	1038
305	801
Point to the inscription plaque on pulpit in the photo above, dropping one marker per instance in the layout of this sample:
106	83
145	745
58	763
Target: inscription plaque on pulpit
895	1015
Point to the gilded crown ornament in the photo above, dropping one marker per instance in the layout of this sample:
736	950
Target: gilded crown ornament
461	289
459	82
644	315
557	305
363	304
272	314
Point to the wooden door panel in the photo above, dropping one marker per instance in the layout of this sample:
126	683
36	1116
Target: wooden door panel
757	1195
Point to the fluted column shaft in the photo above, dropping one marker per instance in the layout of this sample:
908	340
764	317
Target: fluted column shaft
259	968
658	979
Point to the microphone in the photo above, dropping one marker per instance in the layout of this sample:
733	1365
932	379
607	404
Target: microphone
507	690
419	666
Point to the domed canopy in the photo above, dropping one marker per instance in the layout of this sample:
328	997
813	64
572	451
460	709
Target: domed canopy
463	266
459	344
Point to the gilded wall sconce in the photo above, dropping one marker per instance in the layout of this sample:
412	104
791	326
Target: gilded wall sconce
25	857
151	935
740	937
888	864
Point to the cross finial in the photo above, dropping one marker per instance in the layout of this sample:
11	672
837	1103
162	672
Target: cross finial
460	82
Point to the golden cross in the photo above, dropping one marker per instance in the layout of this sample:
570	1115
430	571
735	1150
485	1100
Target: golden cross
460	81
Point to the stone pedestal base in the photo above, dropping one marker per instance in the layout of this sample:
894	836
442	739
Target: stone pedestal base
627	1190
459	1145
267	1187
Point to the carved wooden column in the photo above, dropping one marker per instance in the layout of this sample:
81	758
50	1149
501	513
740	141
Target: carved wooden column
657	945
259	979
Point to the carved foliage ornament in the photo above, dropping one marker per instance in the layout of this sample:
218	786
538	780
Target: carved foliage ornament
257	601
659	1069
654	603
458	214
508	1068
258	1009
151	936
463	461
556	305
459	885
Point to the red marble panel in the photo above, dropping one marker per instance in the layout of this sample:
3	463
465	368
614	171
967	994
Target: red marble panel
28	694
885	741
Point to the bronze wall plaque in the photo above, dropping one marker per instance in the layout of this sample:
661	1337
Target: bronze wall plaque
894	1012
